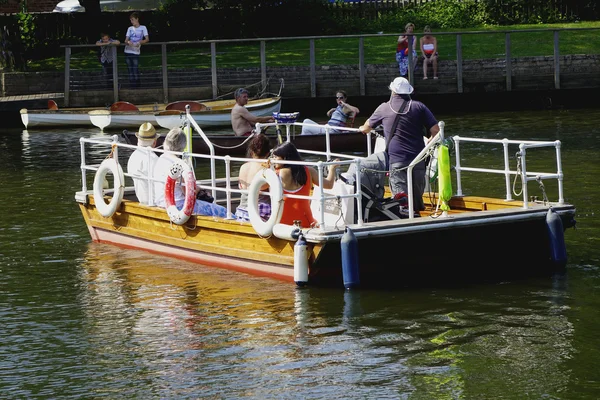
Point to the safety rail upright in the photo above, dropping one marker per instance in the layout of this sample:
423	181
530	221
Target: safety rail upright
521	169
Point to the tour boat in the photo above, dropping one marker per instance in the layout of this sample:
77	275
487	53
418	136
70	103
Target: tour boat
480	222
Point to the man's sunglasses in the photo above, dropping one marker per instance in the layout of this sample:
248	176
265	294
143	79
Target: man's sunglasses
339	97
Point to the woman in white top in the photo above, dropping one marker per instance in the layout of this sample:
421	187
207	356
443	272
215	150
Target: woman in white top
429	51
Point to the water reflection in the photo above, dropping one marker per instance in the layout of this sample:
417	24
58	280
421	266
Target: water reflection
81	318
185	323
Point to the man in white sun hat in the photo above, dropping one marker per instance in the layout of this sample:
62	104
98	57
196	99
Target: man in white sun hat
142	160
405	122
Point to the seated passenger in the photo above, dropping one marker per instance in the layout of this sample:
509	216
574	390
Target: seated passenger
298	180
176	141
338	116
259	148
142	161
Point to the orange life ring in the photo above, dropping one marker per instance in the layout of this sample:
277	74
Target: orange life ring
180	169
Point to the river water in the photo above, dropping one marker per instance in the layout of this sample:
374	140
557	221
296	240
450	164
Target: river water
85	320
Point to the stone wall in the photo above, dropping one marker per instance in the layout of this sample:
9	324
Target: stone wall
479	76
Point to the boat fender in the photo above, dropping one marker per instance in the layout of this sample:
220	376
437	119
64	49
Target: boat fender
286	232
556	235
266	176
444	179
108	165
349	247
301	261
180	169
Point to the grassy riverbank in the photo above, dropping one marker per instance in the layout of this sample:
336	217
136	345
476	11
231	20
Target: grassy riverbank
479	43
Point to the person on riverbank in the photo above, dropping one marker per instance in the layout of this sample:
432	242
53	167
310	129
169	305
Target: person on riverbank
404	121
142	161
402	49
177	141
242	120
298	180
259	148
136	36
428	44
338	116
106	44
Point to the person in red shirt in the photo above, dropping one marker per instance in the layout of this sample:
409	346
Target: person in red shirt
298	179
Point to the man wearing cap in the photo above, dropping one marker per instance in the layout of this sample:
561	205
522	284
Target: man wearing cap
142	160
242	120
405	141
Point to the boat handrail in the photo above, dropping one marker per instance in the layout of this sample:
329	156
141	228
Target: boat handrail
423	154
328	128
113	144
521	170
211	147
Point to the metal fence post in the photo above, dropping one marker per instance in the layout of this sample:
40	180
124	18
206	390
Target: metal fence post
165	75
508	63
556	62
459	71
361	64
213	68
313	70
67	74
263	62
115	74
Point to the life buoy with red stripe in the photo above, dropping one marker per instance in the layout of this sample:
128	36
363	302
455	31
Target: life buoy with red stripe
178	170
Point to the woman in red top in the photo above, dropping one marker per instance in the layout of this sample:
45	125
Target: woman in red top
402	49
295	180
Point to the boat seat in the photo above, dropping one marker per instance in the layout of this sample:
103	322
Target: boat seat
123	106
180	106
52	105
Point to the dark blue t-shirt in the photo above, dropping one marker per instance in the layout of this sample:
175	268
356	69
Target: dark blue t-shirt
415	122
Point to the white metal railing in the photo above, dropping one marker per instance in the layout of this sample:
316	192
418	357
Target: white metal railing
507	171
112	149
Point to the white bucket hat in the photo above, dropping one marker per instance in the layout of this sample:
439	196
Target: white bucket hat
147	132
401	86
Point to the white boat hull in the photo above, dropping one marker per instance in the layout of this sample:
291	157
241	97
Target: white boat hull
53	119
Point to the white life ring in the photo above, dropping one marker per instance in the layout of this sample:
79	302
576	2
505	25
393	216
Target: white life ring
268	176
180	169
110	164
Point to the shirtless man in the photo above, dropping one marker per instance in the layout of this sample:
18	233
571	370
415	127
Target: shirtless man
242	120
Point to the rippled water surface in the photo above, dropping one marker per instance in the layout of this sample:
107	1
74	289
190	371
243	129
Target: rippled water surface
85	320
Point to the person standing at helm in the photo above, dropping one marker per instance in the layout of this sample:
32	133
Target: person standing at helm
404	121
242	120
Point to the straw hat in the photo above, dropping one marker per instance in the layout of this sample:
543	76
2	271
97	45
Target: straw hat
401	86
147	132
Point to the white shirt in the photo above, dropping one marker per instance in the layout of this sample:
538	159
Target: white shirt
161	171
135	35
141	162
